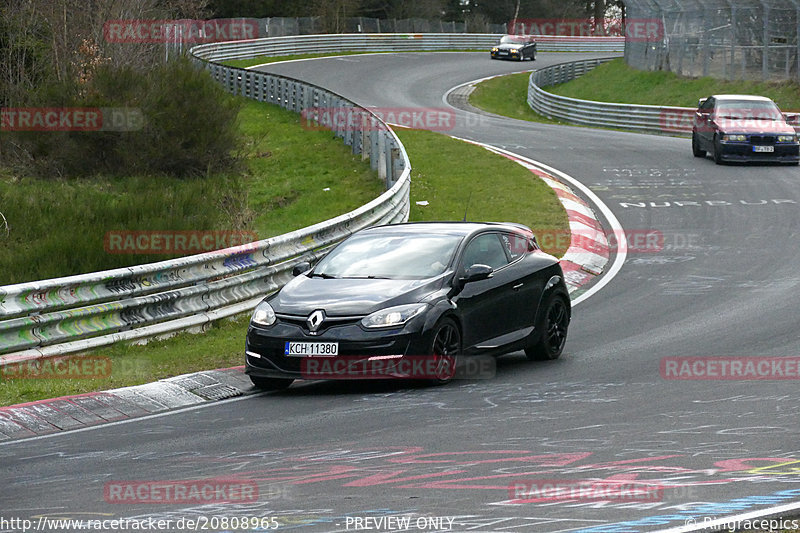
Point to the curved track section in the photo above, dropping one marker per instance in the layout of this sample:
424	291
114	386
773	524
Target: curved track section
721	283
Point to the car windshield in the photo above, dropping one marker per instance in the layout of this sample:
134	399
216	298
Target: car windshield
392	256
511	39
748	109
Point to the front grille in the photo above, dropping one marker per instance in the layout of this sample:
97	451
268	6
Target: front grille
763	139
328	322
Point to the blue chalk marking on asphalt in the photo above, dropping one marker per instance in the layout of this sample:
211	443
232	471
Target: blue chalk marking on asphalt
700	511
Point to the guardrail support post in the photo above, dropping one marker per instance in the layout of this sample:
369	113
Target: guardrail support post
397	166
382	166
365	135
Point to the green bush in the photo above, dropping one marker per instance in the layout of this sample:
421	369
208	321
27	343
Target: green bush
188	129
189	122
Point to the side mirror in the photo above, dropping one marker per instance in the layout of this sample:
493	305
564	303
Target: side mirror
477	273
792	118
301	268
701	101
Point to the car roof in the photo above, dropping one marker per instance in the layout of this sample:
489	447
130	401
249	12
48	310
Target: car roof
724	97
449	228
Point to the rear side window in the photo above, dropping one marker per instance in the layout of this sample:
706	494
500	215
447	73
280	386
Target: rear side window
516	245
485	249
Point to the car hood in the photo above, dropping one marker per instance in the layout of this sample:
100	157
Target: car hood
754	126
508	46
349	297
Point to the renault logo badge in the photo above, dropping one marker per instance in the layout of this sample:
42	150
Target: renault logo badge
315	320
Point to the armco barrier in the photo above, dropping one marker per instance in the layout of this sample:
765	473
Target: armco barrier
75	313
641	118
393	42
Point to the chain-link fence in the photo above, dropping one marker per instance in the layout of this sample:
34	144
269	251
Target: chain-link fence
280	26
730	39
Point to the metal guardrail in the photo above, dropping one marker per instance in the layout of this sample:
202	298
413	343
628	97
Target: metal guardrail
641	118
76	313
392	42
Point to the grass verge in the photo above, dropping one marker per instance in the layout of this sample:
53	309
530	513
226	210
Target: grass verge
123	365
454	176
507	96
445	172
290	178
616	82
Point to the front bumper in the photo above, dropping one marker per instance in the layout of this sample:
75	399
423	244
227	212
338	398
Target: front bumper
504	54
745	151
358	349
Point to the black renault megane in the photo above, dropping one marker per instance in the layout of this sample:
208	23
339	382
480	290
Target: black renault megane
411	300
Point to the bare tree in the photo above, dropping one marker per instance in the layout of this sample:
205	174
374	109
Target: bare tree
65	39
333	14
24	56
427	9
599	15
4	225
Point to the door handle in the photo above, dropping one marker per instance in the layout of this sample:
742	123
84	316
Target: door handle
518	286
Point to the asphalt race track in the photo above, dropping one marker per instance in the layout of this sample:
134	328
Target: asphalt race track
723	282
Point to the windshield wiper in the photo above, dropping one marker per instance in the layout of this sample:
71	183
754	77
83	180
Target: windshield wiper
773	119
322	275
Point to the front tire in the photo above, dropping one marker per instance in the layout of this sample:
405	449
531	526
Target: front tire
696	151
717	151
445	347
271	383
552	328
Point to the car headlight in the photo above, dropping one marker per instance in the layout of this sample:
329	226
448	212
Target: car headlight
787	138
738	138
393	316
494	49
263	315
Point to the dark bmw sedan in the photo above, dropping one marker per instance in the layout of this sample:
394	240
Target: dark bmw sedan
411	301
736	127
518	47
